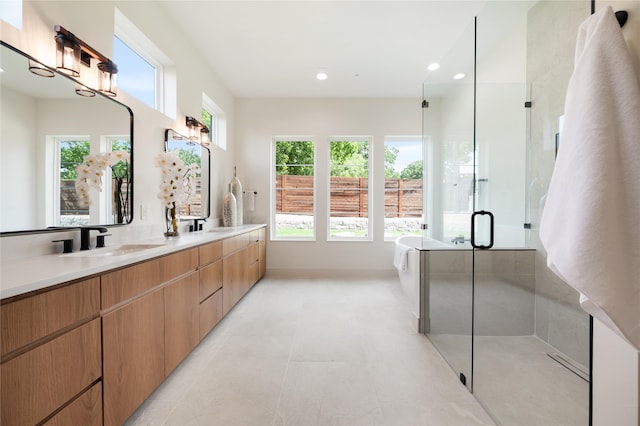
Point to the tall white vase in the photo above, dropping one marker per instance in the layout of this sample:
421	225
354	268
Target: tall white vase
229	210
236	188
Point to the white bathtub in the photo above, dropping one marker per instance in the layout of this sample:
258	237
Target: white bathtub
406	259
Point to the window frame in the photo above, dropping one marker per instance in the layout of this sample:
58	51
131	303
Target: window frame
218	134
370	196
143	46
273	205
423	158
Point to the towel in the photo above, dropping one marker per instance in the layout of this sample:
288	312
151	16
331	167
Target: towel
590	225
400	257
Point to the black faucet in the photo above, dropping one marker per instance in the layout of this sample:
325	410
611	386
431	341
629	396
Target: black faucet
85	243
196	226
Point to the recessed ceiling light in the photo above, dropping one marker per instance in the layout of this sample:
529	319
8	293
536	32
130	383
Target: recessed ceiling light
434	66
322	75
458	76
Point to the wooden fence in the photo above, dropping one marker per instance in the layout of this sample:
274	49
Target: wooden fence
349	196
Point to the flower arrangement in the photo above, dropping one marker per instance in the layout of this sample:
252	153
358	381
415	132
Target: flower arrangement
90	172
177	185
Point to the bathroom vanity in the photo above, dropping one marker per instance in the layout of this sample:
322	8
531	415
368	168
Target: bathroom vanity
90	338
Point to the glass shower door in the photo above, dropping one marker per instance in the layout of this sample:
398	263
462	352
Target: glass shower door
448	122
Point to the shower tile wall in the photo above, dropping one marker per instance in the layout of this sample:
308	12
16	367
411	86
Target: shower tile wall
552	29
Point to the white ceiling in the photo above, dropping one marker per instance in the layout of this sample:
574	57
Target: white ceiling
368	48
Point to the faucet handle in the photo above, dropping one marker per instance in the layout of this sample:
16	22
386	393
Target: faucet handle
67	245
100	240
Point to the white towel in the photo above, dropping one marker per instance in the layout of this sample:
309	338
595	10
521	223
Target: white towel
590	226
400	257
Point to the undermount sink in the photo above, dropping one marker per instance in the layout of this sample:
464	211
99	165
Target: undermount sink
115	250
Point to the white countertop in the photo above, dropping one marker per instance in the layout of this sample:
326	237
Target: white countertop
26	275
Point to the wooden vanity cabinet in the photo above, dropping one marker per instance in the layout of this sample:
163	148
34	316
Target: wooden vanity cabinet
241	267
148	328
181	320
210	273
91	351
51	355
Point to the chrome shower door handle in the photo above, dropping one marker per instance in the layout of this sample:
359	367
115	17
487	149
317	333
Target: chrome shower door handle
473	230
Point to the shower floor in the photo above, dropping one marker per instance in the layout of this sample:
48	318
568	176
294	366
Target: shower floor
516	381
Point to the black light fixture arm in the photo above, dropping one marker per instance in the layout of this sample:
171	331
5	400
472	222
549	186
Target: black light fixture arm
86	52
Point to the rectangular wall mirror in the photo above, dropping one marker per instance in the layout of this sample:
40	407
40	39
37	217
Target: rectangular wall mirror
49	124
197	205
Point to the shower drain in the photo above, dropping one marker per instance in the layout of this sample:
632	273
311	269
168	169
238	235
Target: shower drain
571	365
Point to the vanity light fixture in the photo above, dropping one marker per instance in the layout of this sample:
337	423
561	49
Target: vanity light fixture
38	69
197	131
71	52
108	71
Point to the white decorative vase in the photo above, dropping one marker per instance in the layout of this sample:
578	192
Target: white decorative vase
229	210
236	188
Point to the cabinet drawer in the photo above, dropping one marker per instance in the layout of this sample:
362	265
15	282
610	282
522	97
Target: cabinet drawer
210	252
26	320
210	279
86	410
210	313
126	283
233	244
254	253
41	380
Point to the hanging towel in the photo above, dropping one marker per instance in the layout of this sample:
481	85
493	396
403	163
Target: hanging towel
400	257
590	225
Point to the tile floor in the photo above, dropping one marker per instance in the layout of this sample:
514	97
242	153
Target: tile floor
326	351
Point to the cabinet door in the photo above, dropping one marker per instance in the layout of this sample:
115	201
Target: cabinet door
86	410
210	313
210	279
133	355
38	382
181	320
235	278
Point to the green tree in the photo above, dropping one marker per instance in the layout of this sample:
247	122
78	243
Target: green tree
412	171
349	158
294	158
390	156
71	155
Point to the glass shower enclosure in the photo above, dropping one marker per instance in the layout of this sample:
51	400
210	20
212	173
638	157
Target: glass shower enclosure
510	330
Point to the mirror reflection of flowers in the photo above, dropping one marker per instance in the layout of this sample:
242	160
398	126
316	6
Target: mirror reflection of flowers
177	184
89	175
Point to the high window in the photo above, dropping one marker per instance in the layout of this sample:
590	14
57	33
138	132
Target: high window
216	121
144	71
293	200
349	188
403	186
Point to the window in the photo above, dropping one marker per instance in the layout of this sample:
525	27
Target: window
403	186
144	71
293	202
349	195
215	119
11	12
136	75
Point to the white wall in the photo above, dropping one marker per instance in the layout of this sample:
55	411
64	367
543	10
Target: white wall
258	120
18	125
93	22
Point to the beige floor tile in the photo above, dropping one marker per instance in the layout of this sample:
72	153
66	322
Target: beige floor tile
314	351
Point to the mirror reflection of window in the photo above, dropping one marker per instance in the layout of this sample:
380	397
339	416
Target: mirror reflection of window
189	152
71	152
